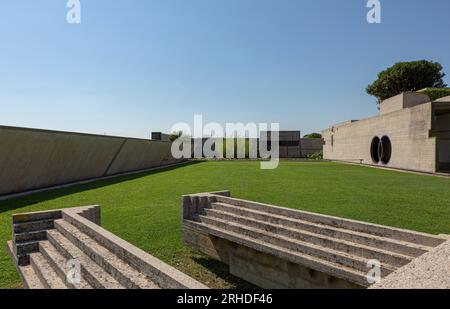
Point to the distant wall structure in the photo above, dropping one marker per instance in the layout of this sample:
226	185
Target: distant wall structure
311	146
410	133
33	159
158	136
293	146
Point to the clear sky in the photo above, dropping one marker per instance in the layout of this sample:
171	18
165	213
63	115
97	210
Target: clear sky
136	66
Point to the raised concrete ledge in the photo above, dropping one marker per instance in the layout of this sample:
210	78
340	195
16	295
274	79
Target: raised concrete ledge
430	271
444	99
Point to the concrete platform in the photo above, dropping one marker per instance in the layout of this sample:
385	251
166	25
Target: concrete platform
430	271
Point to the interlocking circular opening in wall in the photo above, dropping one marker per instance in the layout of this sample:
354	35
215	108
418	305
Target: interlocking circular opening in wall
385	150
381	150
374	150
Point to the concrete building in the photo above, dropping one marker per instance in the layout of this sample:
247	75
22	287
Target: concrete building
158	136
410	133
293	146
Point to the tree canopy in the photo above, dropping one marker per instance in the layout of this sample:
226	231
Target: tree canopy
407	76
313	135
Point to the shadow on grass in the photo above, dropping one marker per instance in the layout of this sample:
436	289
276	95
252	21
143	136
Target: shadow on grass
221	270
19	202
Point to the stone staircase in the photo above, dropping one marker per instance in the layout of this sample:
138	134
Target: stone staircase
46	244
337	248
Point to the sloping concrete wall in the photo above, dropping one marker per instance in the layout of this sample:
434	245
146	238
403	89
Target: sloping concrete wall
32	159
139	154
408	130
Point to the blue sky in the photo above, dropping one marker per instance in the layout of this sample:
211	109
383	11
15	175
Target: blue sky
136	66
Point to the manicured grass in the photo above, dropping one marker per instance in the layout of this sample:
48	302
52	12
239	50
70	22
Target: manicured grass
144	209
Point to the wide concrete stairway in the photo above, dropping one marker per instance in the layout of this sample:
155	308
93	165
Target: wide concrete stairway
338	247
47	245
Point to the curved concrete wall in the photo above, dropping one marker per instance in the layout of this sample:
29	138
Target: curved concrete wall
32	159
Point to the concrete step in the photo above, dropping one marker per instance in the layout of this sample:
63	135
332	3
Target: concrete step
33	226
164	275
46	245
30	279
385	257
31	236
318	264
37	216
387	244
26	248
96	276
372	229
59	264
27	273
45	272
119	269
329	255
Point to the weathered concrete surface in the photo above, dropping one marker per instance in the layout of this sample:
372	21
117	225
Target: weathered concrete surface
275	247
408	130
139	154
32	159
402	101
44	242
430	271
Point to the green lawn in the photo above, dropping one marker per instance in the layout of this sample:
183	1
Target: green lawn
144	209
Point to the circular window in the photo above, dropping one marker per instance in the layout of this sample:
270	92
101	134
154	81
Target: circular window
385	150
374	149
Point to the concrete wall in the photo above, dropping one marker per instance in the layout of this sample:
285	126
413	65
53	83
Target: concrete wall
401	101
408	130
32	159
139	154
311	146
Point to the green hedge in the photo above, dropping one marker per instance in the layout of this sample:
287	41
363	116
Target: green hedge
437	93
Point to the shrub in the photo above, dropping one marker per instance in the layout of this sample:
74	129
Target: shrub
316	156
